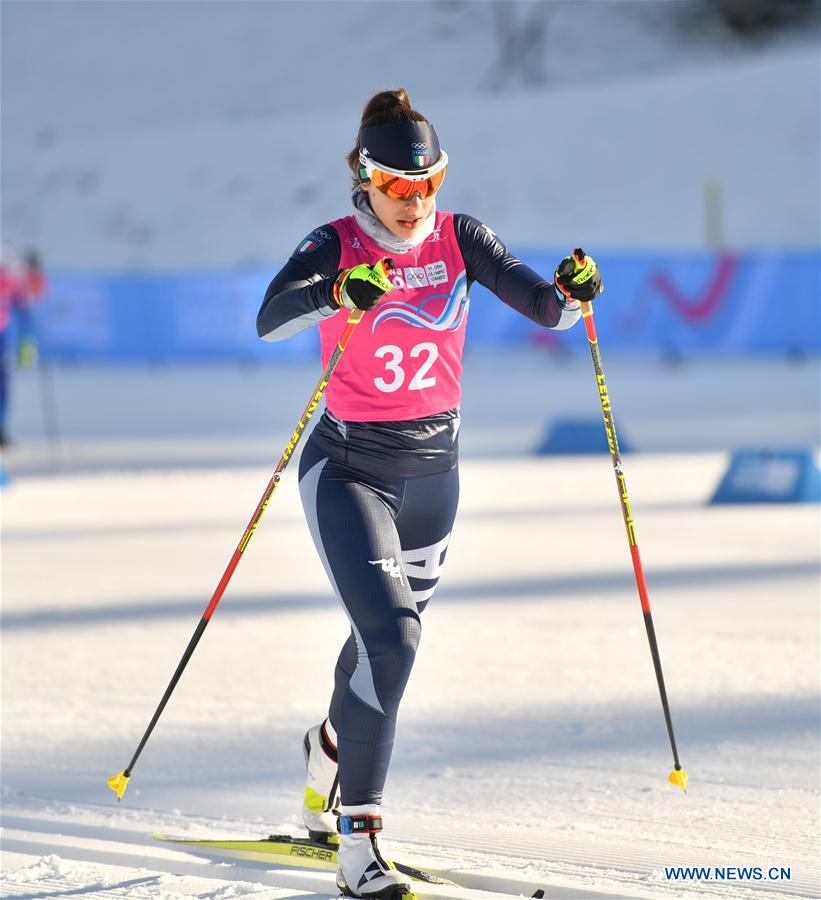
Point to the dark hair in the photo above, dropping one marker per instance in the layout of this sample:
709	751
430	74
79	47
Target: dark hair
383	108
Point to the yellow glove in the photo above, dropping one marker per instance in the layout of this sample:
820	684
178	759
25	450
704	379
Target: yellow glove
363	286
578	277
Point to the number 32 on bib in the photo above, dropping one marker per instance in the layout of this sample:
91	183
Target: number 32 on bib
394	358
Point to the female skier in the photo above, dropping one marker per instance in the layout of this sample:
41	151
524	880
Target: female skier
378	475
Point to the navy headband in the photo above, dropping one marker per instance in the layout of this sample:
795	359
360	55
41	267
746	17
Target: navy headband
401	145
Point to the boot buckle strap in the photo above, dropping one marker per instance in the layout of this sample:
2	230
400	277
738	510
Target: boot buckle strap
360	824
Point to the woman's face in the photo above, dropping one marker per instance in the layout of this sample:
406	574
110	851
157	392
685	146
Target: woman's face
403	218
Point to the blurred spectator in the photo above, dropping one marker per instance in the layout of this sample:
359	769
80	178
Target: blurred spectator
22	283
755	19
521	38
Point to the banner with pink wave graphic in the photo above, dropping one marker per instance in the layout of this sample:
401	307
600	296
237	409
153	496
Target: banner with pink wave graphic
683	303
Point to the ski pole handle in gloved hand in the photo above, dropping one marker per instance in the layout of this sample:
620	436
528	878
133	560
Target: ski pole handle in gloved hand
363	286
578	278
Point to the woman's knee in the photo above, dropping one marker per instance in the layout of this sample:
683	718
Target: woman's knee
392	660
398	637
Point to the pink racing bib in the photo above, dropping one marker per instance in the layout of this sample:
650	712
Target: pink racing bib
404	360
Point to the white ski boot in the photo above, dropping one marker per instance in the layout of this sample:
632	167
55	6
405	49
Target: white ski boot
319	807
362	872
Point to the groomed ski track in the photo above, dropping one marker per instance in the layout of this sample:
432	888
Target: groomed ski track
134	849
580	875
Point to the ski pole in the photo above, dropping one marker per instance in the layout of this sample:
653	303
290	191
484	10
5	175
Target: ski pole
48	405
678	776
119	782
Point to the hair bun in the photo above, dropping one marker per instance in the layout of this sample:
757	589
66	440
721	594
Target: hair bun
388	100
400	97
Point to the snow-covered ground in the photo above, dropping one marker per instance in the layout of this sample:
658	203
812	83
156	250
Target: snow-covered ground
181	135
531	743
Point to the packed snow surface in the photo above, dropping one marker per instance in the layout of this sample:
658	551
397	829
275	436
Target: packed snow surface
531	745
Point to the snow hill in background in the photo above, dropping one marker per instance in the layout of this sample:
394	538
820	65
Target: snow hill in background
182	135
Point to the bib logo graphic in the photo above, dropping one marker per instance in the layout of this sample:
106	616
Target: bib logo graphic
438	312
420	276
354	241
437	272
390	565
415	276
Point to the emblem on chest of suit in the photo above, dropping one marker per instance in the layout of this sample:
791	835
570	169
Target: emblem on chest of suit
436	311
420	276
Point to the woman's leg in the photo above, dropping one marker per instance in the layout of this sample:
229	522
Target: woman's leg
383	545
424	526
351	519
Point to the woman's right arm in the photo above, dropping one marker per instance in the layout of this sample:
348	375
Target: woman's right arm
300	293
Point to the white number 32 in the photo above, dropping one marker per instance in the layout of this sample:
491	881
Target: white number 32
393	364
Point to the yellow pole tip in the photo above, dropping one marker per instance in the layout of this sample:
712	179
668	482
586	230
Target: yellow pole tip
118	783
678	778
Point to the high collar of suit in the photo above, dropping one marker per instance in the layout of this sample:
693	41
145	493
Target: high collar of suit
369	222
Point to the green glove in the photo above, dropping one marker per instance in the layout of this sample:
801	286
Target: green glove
363	286
577	277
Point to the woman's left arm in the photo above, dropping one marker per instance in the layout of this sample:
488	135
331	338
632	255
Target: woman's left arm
488	261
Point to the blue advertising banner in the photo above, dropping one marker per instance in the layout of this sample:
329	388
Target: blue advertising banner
693	304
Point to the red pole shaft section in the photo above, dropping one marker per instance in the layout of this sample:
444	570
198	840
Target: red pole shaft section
353	320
